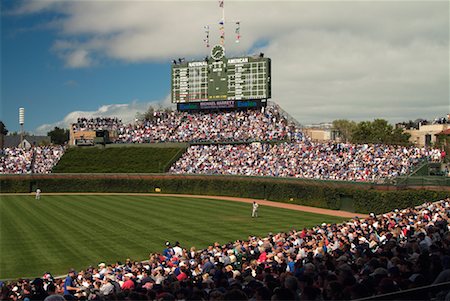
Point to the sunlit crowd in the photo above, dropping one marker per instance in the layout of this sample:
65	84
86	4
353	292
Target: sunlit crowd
328	161
96	123
39	159
251	125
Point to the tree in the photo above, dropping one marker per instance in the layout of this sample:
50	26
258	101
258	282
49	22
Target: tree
3	129
3	133
345	128
362	133
59	136
16	133
379	131
149	114
399	137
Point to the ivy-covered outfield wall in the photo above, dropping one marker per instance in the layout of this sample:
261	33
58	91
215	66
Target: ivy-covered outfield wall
363	198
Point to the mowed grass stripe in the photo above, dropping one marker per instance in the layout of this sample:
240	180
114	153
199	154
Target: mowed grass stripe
168	218
186	214
92	233
132	228
80	230
14	237
107	237
191	216
60	225
151	215
34	246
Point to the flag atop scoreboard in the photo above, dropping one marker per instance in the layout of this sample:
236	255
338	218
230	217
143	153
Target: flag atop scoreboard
220	82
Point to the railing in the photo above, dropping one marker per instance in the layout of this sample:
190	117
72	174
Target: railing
419	166
285	114
407	181
420	293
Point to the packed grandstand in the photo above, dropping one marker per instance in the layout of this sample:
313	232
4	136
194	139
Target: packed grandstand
380	254
34	160
331	161
249	125
252	142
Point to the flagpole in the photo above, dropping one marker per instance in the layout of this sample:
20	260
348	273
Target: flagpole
222	2
223	12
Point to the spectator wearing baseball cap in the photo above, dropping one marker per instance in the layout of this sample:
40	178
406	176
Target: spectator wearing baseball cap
128	284
69	283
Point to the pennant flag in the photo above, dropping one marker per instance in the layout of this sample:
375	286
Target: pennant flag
207	36
220	3
237	31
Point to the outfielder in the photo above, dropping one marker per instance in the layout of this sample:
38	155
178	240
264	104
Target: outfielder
255	209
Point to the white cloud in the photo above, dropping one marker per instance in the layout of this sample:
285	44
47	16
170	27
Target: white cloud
71	83
126	112
339	59
78	59
31	7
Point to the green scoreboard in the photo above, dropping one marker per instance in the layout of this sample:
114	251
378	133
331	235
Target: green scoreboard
221	80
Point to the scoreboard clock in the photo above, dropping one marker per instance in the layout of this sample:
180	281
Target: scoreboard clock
218	78
218	52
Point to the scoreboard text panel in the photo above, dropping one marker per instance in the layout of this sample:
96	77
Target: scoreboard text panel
245	78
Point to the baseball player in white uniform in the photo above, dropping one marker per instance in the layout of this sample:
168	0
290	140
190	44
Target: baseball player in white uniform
255	209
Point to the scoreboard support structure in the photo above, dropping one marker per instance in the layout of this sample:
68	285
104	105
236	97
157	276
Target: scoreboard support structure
218	82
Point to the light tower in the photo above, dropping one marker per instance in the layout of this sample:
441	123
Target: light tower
21	122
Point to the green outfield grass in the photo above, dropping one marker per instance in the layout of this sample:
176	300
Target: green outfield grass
60	232
118	160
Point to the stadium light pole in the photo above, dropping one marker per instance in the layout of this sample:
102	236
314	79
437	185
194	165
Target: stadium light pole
21	122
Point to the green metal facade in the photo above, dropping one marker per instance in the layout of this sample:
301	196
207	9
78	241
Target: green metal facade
243	78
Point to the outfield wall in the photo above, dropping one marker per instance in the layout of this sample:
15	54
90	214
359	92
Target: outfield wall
349	196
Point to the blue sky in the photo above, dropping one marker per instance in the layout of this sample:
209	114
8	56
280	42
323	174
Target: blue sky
358	60
33	77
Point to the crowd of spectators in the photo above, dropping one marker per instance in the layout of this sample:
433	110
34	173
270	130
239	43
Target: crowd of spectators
267	124
34	160
160	128
15	161
331	161
380	254
46	157
97	123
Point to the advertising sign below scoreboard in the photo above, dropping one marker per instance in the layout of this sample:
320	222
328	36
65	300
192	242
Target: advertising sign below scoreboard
221	104
221	79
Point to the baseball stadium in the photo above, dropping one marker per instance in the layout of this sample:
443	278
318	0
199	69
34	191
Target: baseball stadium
223	196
